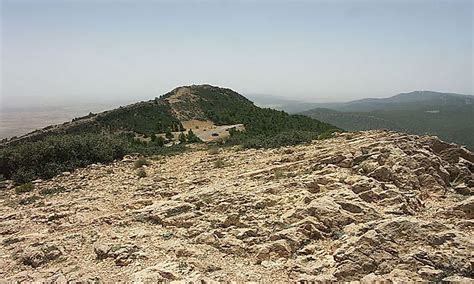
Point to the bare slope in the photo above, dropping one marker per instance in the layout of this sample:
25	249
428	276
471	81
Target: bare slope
370	205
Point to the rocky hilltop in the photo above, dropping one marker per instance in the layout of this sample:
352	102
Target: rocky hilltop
368	206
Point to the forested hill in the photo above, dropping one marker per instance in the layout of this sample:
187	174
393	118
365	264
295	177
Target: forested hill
449	116
150	128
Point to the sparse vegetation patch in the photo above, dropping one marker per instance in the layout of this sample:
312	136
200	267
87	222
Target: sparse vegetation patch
140	162
52	190
219	163
29	200
141	173
24	188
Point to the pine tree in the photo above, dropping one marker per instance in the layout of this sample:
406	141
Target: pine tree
192	138
168	134
182	138
158	140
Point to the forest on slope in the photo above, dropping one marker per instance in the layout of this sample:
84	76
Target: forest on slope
449	116
112	134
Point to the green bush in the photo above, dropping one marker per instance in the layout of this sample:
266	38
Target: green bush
52	190
213	151
168	134
24	175
192	138
151	149
286	138
219	163
26	187
278	173
157	141
140	162
182	137
55	154
141	173
326	135
29	200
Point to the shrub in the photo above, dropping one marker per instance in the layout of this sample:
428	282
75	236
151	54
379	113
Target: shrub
140	162
286	138
52	190
24	188
182	137
192	138
278	173
151	150
24	175
168	134
29	200
326	135
55	154
219	163
214	151
157	140
141	173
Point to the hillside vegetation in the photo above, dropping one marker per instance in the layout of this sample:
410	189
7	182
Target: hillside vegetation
146	127
449	116
264	127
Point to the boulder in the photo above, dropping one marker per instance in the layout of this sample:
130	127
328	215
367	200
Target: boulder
465	208
399	242
122	254
36	257
166	213
382	173
162	272
276	249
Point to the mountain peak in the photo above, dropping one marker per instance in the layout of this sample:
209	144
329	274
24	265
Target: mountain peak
203	90
195	101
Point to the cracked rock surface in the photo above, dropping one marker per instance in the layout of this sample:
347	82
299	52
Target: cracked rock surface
367	206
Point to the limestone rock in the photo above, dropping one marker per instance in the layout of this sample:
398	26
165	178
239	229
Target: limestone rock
363	206
122	255
36	257
276	249
465	208
161	272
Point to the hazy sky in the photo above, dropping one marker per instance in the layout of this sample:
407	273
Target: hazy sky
83	51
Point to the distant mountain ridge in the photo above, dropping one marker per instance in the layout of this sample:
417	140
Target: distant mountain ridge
448	115
404	100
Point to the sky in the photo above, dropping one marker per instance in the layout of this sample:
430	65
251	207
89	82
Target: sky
69	52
